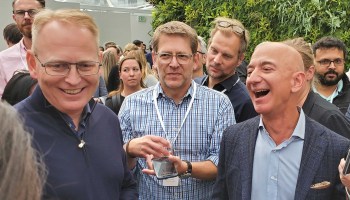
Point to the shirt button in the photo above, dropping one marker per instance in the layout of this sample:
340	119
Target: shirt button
274	178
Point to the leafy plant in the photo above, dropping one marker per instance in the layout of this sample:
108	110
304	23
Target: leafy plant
267	20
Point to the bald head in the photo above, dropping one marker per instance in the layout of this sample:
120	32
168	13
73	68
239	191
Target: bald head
287	56
275	77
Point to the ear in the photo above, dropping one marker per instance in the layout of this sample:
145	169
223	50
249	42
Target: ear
310	73
204	61
195	60
31	61
13	17
240	58
100	56
298	81
154	57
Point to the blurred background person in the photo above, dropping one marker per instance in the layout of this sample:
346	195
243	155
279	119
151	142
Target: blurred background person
127	48
109	44
138	43
22	173
101	48
131	81
12	35
14	58
19	87
149	79
198	67
110	71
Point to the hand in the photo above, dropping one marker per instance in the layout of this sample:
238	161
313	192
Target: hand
149	145
180	166
345	179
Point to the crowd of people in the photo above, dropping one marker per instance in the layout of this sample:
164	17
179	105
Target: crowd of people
190	119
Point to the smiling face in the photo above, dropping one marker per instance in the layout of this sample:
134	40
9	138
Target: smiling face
24	23
275	75
70	43
131	74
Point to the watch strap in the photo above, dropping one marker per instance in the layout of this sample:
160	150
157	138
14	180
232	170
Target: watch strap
189	167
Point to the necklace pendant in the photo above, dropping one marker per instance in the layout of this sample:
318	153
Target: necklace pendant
82	143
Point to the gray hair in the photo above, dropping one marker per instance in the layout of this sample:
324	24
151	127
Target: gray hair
22	173
202	44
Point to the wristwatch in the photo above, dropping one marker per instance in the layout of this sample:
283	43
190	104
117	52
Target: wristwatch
188	173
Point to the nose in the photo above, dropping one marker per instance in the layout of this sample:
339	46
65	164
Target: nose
217	58
331	65
174	62
73	77
26	15
253	77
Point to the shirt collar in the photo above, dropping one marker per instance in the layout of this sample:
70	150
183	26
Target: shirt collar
22	46
299	130
226	84
335	93
160	92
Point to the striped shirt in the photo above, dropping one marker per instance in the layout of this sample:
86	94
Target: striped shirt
198	140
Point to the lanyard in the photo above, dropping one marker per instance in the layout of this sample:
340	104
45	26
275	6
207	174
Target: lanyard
160	116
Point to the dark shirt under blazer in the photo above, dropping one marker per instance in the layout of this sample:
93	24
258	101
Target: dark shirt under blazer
237	93
327	114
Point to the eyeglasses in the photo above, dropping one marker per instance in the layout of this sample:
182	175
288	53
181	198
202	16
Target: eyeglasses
22	13
182	58
326	62
61	68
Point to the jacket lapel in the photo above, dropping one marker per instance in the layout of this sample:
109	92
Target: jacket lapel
248	157
313	150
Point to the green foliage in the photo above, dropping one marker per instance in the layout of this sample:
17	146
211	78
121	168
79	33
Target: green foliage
267	20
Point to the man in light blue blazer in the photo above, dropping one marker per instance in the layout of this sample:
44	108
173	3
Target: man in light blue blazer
281	154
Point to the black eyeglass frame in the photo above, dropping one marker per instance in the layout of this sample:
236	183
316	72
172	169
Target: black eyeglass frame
22	13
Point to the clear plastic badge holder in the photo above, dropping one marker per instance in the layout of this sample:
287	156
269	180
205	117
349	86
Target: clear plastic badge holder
164	168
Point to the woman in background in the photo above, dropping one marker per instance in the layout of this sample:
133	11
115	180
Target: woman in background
149	79
130	81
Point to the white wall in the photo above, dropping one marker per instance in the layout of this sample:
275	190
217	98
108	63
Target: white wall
120	25
5	18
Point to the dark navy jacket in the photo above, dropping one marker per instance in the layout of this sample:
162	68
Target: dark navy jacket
237	93
96	171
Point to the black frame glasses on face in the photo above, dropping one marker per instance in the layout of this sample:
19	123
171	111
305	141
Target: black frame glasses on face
22	13
62	68
327	62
